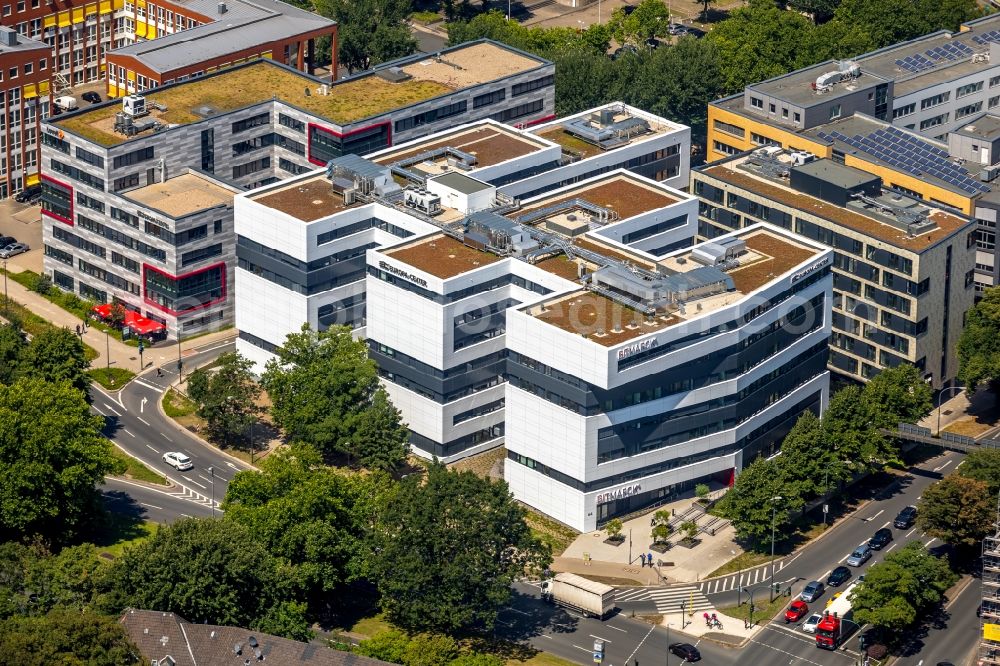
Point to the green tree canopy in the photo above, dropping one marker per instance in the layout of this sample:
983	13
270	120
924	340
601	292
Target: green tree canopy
325	392
34	581
958	510
649	18
979	344
226	396
209	571
902	588
55	355
369	31
52	454
898	394
12	345
316	519
983	465
67	638
748	503
448	549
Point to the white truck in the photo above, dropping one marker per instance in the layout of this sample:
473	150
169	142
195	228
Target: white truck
66	103
576	592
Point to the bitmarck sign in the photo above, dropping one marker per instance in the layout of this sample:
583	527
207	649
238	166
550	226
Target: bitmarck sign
619	493
634	349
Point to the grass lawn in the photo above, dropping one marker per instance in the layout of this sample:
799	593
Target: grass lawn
111	378
367	627
123	531
542	659
33	324
178	406
426	17
763	610
741	562
557	535
136	470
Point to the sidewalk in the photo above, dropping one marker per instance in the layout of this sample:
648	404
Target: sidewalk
734	632
681	564
121	355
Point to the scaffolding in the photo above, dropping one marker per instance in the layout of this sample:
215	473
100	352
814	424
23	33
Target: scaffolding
989	644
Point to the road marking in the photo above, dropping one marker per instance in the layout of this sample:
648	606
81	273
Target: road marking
843	558
167	438
125	430
546	636
515	610
827	573
142	406
185	515
152	449
891	547
930	542
886	524
117	413
151	506
582	648
938	469
209	480
232	465
98	410
715	588
144	421
880	512
156	388
600	639
959	464
629	658
188	478
609	626
795	658
910	532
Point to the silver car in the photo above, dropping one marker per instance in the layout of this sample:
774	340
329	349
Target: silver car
809	626
13	249
860	555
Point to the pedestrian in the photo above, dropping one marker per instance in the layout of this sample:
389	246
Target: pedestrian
78	333
159	373
642	560
649	556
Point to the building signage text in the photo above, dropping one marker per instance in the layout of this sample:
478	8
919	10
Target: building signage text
388	268
808	270
632	350
619	493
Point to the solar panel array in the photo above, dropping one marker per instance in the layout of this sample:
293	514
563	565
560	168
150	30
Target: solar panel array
991	36
944	53
910	154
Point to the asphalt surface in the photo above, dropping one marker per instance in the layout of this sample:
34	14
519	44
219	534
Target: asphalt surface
146	503
781	643
953	636
135	423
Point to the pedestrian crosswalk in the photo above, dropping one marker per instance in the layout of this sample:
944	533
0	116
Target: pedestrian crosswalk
185	493
757	576
666	598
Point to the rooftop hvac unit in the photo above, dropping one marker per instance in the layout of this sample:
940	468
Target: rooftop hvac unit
134	105
8	36
989	173
421	200
801	157
828	79
324	90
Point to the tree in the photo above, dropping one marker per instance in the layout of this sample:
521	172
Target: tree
325	392
690	529
316	519
983	465
55	355
447	550
116	315
614	528
660	532
820	10
226	396
748	503
649	18
958	510
898	394
902	588
704	9
12	345
851	424
885	21
34	581
67	637
701	490
370	31
208	571
52	454
979	344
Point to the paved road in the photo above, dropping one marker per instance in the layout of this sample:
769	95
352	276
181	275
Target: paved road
568	635
954	636
135	423
161	506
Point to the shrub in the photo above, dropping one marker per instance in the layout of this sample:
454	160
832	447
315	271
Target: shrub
614	528
386	645
702	490
42	284
690	529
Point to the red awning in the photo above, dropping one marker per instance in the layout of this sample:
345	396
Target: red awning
141	325
103	311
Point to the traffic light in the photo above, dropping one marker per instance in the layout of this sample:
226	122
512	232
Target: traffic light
141	347
777	588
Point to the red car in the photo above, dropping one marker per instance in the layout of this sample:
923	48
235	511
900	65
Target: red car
796	611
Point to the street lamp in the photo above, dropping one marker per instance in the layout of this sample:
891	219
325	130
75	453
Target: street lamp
211	471
6	302
826	487
943	391
774	510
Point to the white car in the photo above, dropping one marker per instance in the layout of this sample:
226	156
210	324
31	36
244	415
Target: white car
809	626
177	460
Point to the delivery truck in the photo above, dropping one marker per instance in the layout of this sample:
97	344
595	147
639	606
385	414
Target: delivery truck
583	595
66	103
838	621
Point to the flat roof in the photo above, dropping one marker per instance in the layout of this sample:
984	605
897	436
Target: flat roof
838	174
182	195
489	142
462	183
307	200
947	223
21	43
796	87
348	101
621	192
608	322
442	256
244	25
985	127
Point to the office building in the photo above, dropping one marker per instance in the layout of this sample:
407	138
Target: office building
903	269
24	102
240	128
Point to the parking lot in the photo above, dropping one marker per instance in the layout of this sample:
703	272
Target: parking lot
23	223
